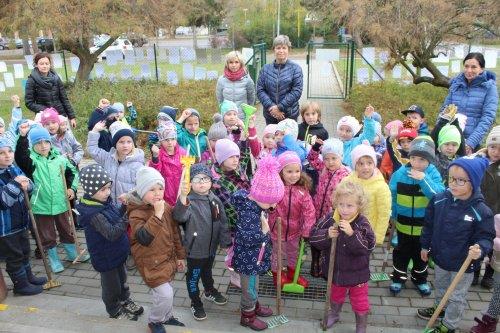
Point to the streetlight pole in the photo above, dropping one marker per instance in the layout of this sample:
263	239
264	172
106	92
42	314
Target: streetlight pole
278	24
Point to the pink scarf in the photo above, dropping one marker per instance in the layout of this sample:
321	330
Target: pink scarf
234	76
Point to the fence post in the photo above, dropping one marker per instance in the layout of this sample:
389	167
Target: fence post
65	69
156	61
351	74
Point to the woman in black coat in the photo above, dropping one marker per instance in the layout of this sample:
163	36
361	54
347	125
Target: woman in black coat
45	89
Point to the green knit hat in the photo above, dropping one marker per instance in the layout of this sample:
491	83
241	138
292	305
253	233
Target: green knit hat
449	133
227	106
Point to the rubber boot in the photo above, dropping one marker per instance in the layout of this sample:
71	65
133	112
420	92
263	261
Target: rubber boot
21	284
71	253
486	324
301	280
487	282
262	311
361	322
284	279
249	319
54	261
315	270
38	281
333	314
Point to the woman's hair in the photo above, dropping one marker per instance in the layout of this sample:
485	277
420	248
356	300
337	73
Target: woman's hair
41	55
476	55
304	180
350	188
236	55
282	40
308	105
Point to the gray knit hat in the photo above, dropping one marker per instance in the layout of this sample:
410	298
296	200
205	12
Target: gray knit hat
93	177
494	136
218	130
424	147
200	168
146	178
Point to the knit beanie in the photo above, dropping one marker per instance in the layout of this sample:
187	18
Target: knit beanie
287	158
194	112
267	186
49	115
270	129
2	122
332	146
109	111
224	149
167	131
119	130
118	107
449	133
200	168
218	130
363	150
396	122
475	167
146	178
409	133
170	111
93	177
424	147
227	106
38	134
289	126
350	122
493	137
4	142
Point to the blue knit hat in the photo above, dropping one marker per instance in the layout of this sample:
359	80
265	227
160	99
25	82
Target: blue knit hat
119	130
200	168
38	134
227	106
475	167
170	111
4	142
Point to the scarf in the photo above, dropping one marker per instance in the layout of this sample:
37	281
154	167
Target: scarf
234	76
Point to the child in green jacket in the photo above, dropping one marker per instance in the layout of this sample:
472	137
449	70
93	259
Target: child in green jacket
189	133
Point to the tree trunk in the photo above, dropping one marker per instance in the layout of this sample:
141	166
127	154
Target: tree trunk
26	47
85	68
34	45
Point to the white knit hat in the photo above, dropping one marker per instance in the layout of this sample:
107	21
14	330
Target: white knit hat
146	178
289	126
494	136
332	146
350	122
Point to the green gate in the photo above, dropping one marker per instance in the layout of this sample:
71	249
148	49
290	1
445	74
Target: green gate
256	61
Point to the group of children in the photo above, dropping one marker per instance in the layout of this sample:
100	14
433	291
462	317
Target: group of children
170	217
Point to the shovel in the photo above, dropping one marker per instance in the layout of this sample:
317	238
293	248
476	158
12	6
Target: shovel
383	276
294	287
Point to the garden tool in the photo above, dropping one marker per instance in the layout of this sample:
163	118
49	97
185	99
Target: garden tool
383	276
331	263
50	282
249	111
183	174
294	287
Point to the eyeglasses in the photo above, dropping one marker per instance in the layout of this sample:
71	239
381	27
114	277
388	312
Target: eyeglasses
458	181
201	180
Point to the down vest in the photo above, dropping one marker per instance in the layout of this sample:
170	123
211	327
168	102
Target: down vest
281	85
478	101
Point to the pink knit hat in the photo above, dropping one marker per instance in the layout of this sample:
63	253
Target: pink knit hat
224	149
287	158
363	150
396	122
267	186
270	129
48	115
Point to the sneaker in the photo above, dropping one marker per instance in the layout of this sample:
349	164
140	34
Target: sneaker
215	296
428	312
132	308
424	289
156	328
441	329
123	314
395	288
198	312
173	322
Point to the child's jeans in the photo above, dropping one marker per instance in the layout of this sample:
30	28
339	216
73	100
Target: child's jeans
358	295
114	289
47	225
163	301
249	291
290	250
196	269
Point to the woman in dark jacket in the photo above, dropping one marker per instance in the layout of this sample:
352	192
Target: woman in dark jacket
45	89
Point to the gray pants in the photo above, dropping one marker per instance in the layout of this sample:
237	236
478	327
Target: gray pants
494	307
456	302
114	289
249	291
163	301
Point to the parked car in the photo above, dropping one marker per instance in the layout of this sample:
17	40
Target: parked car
45	44
19	43
4	43
137	40
121	44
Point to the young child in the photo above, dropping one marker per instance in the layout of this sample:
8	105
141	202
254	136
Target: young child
123	159
126	119
412	187
347	131
370	178
167	160
285	136
216	132
311	125
397	151
190	134
156	245
268	142
416	115
206	228
16	115
234	125
251	244
352	258
107	242
166	115
457	223
297	213
107	115
14	224
42	163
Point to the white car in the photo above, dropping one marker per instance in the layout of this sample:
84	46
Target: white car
121	44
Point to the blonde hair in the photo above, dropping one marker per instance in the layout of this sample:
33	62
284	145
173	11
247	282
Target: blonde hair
238	56
349	188
313	106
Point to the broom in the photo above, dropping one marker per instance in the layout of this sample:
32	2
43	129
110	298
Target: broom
383	276
333	249
294	287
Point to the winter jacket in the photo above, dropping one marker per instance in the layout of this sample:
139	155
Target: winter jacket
297	214
13	213
410	197
155	243
453	225
289	143
240	91
11	131
307	131
44	92
49	197
352	255
478	101
197	143
203	215
281	85
368	133
379	201
68	146
105	233
123	173
170	168
248	237
490	187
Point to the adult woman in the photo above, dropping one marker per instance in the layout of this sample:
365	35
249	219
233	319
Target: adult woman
474	92
280	84
235	85
45	89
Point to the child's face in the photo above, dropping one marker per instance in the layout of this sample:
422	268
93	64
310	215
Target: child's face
6	157
459	183
52	127
42	148
268	141
415	119
231	118
231	163
63	126
405	144
494	152
192	124
124	146
332	162
201	184
291	173
365	167
2	130
347	206
154	194
278	136
234	64
121	114
169	145
345	133
449	149
311	117
418	163
103	194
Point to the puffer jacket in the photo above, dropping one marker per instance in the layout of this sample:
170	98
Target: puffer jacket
297	213
478	101
68	146
239	91
170	168
155	243
197	143
281	85
123	173
44	92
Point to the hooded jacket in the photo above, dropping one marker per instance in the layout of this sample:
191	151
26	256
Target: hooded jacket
197	143
306	131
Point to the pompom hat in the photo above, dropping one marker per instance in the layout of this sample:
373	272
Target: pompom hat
119	130
493	137
218	130
363	150
267	186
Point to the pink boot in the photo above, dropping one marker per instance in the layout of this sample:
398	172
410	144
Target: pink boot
486	324
248	319
262	311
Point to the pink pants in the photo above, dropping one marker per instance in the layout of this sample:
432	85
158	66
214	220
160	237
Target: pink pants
357	294
290	251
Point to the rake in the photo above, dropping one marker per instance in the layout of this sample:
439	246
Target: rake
383	276
249	111
331	263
